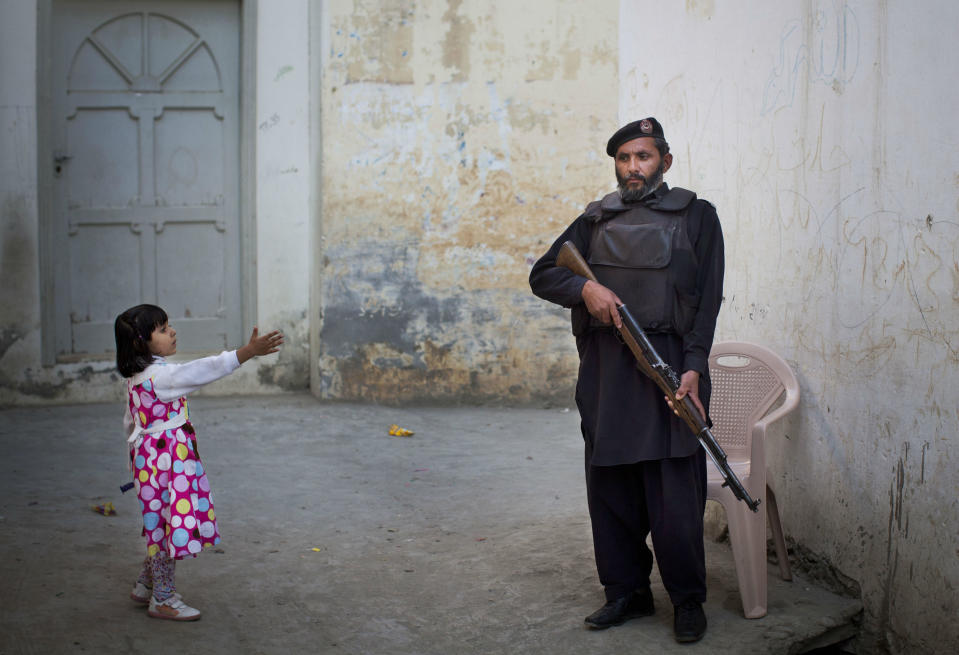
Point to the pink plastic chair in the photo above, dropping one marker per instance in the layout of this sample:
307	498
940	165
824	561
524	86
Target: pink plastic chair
747	380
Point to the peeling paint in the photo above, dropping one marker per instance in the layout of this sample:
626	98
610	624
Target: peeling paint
456	43
375	42
439	192
701	8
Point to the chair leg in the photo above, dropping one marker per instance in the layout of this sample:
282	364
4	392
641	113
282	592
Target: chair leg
776	527
747	533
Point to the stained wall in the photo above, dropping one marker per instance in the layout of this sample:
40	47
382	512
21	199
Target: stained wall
459	139
823	132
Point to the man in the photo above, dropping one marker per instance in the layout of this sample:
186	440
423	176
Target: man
659	251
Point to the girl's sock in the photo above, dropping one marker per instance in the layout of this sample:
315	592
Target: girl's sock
163	569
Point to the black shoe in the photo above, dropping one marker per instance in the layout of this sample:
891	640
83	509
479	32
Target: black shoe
616	612
689	621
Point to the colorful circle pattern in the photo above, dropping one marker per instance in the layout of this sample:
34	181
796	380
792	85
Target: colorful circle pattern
171	483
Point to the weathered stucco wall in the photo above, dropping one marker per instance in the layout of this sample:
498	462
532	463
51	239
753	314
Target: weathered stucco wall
19	237
824	134
459	139
281	173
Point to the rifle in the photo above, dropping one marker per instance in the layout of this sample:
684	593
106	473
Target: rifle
665	378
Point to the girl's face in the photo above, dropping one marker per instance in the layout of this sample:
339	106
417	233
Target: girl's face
163	341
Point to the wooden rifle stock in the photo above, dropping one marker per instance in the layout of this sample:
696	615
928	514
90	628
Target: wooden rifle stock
651	364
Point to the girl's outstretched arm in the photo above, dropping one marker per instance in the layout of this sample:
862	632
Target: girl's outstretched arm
259	346
170	380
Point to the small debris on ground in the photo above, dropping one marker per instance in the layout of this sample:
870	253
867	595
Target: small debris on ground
397	431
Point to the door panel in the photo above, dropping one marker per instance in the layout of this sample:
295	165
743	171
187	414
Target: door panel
145	163
200	294
188	145
103	172
89	276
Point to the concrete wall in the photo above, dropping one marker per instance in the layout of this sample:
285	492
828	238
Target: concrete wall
823	132
285	172
19	235
278	184
459	139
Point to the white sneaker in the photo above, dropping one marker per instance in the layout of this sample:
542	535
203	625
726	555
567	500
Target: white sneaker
141	593
172	608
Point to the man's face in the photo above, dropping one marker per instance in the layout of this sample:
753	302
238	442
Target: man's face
640	168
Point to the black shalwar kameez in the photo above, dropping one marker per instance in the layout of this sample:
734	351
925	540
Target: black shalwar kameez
645	471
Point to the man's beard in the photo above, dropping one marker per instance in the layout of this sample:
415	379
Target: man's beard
649	185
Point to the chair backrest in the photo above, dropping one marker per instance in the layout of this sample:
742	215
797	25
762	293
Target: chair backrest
747	380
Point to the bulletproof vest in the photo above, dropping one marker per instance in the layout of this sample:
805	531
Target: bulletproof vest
643	253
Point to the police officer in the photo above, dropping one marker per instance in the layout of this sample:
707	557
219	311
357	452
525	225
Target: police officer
659	250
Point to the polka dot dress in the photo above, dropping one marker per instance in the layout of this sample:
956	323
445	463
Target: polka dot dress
171	484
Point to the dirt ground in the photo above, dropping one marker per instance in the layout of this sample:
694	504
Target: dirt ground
471	536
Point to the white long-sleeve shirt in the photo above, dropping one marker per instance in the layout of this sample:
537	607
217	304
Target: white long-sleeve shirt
172	381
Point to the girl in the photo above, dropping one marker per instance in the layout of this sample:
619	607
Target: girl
174	493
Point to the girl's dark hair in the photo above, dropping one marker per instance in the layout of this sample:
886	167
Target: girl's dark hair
133	329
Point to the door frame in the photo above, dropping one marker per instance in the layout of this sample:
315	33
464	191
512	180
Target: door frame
45	205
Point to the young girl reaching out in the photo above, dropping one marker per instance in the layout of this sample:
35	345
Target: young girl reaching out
171	484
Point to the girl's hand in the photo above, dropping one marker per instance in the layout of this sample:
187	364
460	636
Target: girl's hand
259	346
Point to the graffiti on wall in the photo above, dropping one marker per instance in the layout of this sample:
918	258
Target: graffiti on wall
823	48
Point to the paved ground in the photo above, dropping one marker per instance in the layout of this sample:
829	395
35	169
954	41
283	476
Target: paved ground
469	537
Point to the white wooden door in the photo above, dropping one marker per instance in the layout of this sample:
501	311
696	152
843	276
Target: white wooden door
145	133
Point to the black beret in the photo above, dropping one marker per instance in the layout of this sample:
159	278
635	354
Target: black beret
645	127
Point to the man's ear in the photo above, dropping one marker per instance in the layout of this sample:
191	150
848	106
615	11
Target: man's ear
667	161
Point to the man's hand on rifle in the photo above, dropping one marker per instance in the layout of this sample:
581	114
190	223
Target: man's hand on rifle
602	303
689	385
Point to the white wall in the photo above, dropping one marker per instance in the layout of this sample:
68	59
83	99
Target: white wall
284	174
824	132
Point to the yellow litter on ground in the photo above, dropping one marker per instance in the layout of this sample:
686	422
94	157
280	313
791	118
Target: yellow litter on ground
397	431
